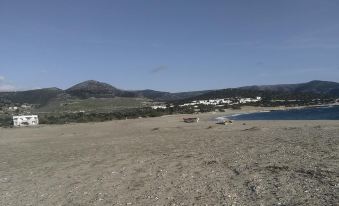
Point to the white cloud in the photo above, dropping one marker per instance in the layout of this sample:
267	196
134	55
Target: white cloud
5	86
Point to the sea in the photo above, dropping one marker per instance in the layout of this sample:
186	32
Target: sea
310	113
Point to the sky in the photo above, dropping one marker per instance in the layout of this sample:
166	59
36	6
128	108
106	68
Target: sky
171	45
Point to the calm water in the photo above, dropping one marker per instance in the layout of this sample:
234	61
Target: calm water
318	113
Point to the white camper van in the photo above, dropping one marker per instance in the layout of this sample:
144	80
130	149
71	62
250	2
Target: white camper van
25	120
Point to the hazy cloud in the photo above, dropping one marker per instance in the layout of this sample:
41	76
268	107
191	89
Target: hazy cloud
159	69
5	86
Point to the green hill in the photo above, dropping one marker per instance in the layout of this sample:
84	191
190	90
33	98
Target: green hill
38	96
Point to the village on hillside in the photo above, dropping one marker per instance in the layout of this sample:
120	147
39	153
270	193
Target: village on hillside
212	102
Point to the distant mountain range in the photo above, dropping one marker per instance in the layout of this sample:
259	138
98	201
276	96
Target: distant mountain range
316	86
96	89
310	90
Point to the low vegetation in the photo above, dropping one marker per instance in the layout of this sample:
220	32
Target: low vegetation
62	118
93	105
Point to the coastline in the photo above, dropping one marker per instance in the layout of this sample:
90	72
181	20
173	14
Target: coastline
251	110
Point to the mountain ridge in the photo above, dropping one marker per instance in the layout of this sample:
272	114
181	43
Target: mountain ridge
97	89
314	86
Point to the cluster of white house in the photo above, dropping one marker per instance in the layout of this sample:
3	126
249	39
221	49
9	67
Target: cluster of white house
229	101
25	120
159	107
13	108
222	101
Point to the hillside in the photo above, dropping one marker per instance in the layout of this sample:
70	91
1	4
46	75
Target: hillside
316	86
304	91
51	97
253	93
93	104
92	88
38	96
96	89
167	96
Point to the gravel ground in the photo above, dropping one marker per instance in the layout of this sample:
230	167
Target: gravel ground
163	161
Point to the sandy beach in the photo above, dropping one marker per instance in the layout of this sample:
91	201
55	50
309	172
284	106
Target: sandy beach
164	161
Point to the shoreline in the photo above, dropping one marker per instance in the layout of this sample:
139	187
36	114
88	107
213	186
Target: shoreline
272	109
215	115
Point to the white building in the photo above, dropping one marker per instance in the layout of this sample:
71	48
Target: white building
25	120
159	107
25	106
228	101
247	100
12	108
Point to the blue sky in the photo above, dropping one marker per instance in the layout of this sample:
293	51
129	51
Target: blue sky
169	45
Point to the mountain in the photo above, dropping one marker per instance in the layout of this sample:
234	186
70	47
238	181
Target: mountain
167	96
316	86
98	89
310	90
38	96
88	89
92	88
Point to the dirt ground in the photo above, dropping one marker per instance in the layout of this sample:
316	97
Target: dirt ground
163	161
